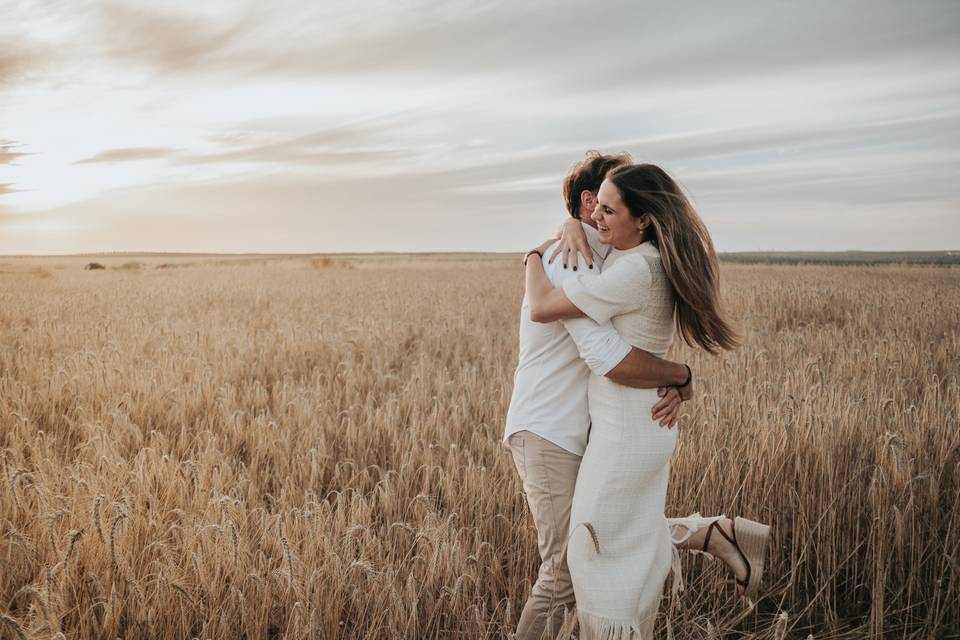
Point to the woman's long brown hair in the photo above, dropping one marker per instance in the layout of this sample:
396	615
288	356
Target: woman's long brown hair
686	251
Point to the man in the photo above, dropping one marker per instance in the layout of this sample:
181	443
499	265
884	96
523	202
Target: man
548	419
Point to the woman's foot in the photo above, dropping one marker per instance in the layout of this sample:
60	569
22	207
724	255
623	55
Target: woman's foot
743	556
722	548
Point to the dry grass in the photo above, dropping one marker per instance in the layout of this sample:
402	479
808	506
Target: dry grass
275	452
329	262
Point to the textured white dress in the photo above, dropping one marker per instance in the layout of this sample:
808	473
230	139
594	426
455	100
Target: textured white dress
622	483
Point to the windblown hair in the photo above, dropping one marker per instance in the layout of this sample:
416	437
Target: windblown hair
686	252
587	175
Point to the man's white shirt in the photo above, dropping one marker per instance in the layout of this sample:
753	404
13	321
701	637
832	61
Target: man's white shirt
556	358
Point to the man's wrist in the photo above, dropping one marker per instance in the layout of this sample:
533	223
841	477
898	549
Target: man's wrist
530	253
687	377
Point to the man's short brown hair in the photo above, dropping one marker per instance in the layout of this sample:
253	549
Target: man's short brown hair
587	175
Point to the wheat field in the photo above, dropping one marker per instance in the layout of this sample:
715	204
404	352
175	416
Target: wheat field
310	448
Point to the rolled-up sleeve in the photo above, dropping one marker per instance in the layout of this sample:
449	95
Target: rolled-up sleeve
620	289
600	346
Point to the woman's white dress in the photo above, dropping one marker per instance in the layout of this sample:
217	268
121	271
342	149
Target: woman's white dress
622	483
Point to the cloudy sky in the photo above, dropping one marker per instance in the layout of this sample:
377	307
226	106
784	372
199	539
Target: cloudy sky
405	125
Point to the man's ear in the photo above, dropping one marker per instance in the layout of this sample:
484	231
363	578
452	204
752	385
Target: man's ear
588	202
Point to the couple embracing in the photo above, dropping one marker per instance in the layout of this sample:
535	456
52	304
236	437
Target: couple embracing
590	424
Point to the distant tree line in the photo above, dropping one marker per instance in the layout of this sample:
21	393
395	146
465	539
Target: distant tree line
936	258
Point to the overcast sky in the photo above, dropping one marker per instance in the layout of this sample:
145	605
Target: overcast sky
401	125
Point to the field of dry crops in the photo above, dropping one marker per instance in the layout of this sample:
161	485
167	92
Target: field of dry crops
297	448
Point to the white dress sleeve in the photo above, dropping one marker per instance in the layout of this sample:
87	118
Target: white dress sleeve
621	288
600	346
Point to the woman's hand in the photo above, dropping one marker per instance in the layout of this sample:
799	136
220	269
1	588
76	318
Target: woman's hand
667	409
573	243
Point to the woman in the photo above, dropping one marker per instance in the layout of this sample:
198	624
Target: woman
661	271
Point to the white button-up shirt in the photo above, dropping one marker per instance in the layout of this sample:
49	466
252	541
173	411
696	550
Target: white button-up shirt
556	358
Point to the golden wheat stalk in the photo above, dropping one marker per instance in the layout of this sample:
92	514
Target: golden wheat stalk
13	624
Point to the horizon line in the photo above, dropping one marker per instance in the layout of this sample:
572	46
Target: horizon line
421	253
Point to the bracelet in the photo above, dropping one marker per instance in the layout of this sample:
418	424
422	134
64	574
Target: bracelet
536	251
689	377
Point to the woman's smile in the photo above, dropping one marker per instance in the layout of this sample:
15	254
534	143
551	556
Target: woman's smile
615	225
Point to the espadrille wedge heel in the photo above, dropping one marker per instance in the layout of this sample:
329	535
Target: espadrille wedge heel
752	538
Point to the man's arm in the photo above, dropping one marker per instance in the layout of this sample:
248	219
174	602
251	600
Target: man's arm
643	370
608	354
547	302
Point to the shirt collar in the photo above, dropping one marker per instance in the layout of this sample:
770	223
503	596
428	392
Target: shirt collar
647	248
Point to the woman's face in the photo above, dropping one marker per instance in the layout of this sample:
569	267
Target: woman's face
614	222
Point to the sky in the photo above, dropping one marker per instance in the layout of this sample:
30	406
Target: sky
401	125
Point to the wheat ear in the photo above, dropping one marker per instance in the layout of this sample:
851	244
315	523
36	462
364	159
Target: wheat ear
113	537
96	516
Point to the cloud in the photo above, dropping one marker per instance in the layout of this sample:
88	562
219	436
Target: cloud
7	218
10	64
370	141
864	180
129	154
7	153
490	208
763	112
562	44
509	200
24	57
287	38
16	62
8	156
292	154
167	40
309	211
883	136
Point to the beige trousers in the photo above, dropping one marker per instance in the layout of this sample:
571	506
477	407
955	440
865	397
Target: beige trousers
549	475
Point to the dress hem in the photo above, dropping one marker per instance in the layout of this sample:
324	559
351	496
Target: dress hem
595	627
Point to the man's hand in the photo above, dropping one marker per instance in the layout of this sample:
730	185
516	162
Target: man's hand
667	409
573	241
